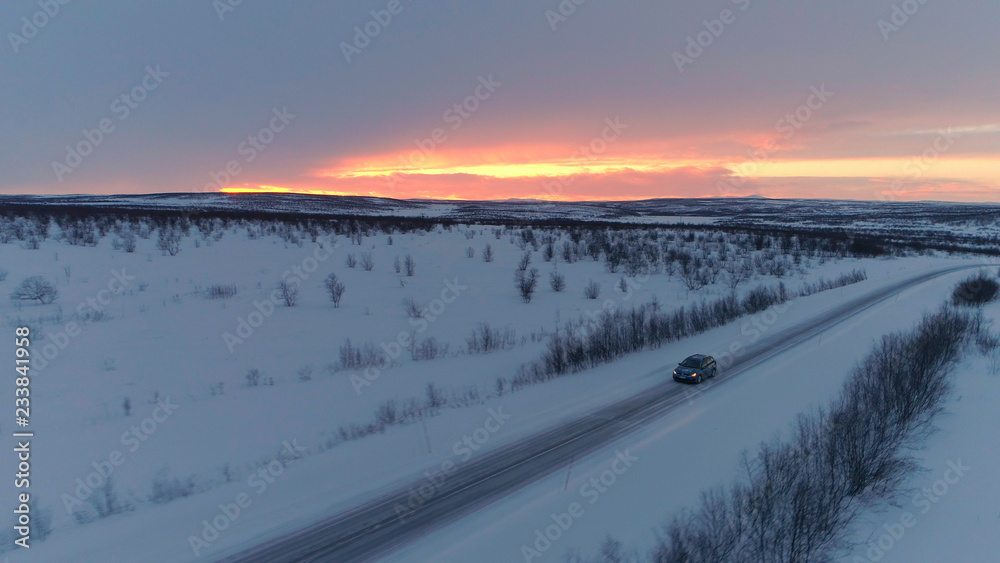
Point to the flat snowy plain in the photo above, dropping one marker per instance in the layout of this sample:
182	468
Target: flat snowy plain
162	342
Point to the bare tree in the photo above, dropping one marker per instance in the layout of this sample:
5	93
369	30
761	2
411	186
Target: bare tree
526	282
411	265
367	263
335	288
289	293
525	261
623	285
169	241
413	309
713	268
35	288
737	272
557	281
488	254
692	276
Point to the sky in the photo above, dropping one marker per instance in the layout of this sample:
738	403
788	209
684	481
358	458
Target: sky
540	99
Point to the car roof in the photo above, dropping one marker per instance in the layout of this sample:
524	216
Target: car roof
696	357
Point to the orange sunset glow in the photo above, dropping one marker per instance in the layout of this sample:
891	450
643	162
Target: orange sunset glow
499	174
524	108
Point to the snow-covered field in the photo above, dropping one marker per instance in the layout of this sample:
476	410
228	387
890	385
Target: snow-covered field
131	335
697	448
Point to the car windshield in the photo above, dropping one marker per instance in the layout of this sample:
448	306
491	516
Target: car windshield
691	363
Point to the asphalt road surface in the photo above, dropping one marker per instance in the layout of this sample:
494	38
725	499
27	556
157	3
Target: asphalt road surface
376	528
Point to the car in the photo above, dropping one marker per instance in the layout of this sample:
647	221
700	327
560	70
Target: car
696	368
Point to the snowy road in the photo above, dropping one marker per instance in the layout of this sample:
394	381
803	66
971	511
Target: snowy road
392	520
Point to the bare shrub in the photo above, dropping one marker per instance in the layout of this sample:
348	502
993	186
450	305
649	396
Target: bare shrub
220	291
975	291
105	503
557	281
353	357
485	339
367	262
760	298
429	349
35	288
334	288
470	252
305	373
435	399
254	377
849	278
167	488
412	308
737	272
410	265
592	290
169	241
777	267
488	253
289	293
692	276
387	413
351	260
128	242
526	283
524	262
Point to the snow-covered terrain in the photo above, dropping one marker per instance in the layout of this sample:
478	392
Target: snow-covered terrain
191	404
677	458
942	223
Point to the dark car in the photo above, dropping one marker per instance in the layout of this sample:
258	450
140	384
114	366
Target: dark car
696	368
